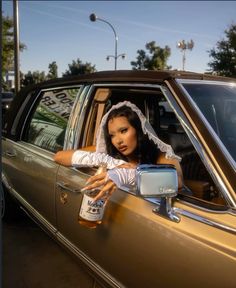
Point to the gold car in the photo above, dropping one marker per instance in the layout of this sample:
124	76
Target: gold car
183	240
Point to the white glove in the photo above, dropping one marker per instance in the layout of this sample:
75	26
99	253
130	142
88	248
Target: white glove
124	178
85	158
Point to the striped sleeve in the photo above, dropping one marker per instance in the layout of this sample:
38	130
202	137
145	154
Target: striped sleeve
84	158
123	177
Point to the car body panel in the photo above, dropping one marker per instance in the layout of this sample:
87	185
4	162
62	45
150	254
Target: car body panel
26	174
133	217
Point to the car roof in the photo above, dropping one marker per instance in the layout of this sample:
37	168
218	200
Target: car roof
127	75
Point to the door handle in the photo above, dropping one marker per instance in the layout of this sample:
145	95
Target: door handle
64	186
10	154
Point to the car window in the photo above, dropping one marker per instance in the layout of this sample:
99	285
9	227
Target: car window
198	182
145	99
218	104
47	126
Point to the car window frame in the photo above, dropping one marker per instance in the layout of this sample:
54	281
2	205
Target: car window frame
190	131
209	127
33	106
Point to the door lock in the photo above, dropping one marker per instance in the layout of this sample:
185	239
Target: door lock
63	197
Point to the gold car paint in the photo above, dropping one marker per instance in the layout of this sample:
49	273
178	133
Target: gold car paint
32	175
131	218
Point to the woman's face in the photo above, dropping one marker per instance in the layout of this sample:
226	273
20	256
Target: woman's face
123	135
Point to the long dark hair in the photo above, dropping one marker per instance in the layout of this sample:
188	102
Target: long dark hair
146	151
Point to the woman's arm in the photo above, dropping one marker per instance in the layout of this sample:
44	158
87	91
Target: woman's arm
163	160
110	180
64	157
83	158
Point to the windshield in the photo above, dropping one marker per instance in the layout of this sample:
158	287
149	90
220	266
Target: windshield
217	101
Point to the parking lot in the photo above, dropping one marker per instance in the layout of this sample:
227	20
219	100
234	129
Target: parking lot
31	259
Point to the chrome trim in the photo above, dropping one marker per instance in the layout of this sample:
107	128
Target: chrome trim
165	209
71	136
80	117
27	115
197	217
33	149
127	84
19	113
64	186
204	81
205	221
62	87
91	264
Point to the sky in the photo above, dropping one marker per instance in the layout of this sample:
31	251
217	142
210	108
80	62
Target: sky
61	31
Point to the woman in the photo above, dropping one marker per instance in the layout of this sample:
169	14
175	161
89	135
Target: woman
125	139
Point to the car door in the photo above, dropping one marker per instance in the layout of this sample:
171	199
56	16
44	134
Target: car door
29	162
135	247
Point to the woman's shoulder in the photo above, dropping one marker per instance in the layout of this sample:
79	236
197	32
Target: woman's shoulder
161	159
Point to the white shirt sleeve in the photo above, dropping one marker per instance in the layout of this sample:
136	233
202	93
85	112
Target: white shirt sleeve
85	158
124	178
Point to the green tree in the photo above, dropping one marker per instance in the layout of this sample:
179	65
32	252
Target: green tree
33	78
155	58
78	68
52	70
224	55
8	46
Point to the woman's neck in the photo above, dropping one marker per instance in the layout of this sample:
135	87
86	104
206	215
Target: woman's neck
133	160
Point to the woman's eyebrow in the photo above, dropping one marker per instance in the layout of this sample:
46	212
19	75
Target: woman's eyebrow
118	129
123	127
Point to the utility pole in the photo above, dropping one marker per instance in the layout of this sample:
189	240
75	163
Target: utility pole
16	45
1	36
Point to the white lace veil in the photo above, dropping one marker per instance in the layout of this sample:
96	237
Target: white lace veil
146	127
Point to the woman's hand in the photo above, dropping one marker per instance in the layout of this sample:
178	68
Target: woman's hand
101	181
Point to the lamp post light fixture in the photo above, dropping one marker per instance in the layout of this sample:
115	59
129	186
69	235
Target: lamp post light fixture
115	57
93	17
183	46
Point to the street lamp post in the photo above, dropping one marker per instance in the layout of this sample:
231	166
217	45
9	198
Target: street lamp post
183	46
93	17
16	45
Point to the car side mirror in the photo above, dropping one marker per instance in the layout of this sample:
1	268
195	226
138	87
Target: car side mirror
159	181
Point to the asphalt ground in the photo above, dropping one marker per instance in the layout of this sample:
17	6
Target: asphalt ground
31	259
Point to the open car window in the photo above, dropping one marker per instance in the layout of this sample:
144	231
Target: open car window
198	182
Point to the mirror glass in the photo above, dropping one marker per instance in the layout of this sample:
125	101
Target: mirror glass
157	181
